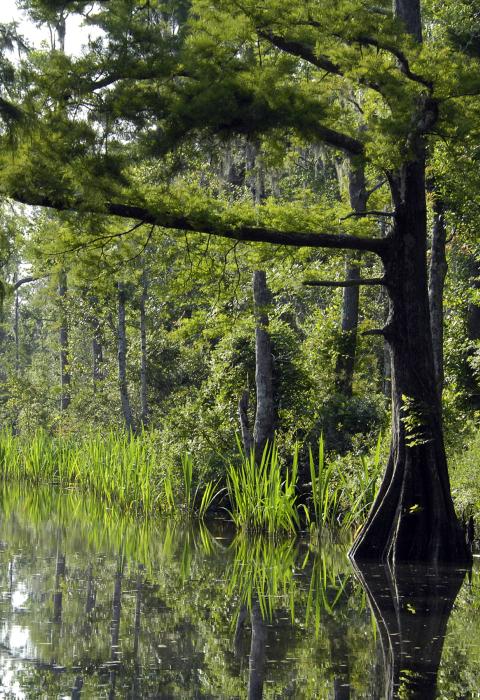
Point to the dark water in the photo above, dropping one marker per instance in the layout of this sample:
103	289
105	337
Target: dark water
94	606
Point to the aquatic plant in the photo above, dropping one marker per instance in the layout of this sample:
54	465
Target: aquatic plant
263	498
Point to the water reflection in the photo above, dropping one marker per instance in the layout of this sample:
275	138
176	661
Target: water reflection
95	605
412	609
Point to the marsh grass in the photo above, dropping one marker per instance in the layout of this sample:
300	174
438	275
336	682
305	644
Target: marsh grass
263	496
121	469
126	471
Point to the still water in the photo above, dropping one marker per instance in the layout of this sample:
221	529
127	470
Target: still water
94	605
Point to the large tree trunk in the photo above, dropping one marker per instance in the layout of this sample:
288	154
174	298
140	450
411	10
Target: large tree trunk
63	336
143	344
265	413
436	284
122	359
413	517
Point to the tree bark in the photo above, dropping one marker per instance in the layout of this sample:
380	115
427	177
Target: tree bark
63	336
122	358
413	518
97	353
265	415
16	331
436	284
143	344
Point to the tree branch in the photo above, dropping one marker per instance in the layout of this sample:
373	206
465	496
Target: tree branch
368	281
254	234
296	48
27	280
371	212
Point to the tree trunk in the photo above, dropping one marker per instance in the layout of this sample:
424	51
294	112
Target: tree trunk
436	284
143	343
348	340
413	517
122	359
245	424
264	417
345	365
63	335
97	353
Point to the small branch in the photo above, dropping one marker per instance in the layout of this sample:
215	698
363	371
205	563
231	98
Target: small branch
376	187
369	281
27	280
371	212
375	331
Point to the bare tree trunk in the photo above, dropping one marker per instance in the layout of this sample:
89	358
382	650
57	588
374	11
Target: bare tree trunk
265	416
122	358
64	359
143	343
97	353
436	284
245	424
16	328
348	343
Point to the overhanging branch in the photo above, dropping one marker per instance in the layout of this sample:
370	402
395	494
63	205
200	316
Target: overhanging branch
254	234
368	281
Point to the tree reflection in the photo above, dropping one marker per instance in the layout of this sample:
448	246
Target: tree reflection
412	607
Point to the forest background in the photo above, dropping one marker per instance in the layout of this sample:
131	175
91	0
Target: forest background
110	325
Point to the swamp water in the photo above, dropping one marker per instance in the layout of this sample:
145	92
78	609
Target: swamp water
96	606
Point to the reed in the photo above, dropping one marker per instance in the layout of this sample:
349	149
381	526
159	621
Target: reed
262	499
120	469
126	470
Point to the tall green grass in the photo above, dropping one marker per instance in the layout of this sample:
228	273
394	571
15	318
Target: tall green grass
262	498
126	471
121	469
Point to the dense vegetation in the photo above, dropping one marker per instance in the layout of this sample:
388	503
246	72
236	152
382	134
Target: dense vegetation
216	223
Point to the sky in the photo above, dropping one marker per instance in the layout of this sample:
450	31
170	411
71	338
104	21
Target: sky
76	35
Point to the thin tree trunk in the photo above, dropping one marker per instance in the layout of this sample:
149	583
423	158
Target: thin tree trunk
436	284
264	417
63	336
348	342
143	343
97	353
122	358
16	328
245	424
